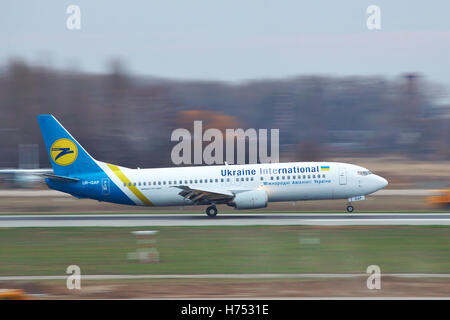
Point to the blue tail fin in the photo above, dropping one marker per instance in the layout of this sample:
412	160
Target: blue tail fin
67	156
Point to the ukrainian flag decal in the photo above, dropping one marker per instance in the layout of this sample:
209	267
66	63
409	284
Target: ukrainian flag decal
324	168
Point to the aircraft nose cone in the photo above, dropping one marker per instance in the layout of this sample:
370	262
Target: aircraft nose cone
381	182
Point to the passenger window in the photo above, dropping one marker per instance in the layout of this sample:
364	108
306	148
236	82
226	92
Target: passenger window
201	180
278	177
159	183
288	177
190	181
211	180
309	176
282	178
271	177
251	178
196	181
228	179
134	184
314	176
217	180
221	180
124	184
262	178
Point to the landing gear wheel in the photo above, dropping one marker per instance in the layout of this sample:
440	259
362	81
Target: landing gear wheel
211	211
350	208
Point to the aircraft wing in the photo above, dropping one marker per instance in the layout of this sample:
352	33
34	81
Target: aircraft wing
205	195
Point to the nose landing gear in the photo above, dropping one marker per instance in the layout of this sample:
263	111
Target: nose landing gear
211	211
353	199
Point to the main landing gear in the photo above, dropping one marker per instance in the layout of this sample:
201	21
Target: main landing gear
211	211
350	208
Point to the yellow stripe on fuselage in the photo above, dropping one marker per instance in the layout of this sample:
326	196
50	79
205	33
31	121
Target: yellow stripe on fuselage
129	184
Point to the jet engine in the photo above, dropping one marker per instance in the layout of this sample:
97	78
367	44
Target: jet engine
250	200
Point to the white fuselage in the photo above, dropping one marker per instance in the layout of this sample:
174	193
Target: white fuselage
294	181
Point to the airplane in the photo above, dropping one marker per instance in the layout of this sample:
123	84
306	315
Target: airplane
248	186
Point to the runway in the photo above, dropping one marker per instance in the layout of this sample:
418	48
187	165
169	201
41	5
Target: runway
245	219
226	276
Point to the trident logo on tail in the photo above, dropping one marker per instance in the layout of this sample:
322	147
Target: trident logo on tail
64	152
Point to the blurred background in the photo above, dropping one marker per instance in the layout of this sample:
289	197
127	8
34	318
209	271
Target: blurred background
136	70
133	73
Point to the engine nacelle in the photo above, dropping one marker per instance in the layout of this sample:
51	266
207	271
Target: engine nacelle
250	200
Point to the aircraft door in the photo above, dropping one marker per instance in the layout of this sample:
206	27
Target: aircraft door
342	176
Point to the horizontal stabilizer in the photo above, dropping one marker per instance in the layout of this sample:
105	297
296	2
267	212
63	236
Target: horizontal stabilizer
61	178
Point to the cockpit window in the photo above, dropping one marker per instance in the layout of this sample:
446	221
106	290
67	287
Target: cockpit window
364	173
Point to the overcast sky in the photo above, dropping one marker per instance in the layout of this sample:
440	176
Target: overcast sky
232	39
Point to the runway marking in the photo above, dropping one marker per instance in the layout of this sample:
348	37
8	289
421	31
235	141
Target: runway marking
127	220
226	276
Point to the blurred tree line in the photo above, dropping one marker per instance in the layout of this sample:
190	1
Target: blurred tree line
128	119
